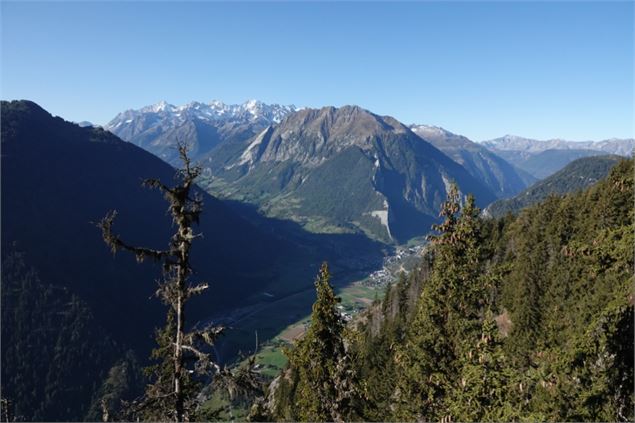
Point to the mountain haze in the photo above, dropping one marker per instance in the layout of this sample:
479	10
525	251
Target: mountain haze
577	175
543	158
618	146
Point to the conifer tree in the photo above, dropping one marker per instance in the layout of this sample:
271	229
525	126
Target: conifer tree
171	396
322	371
5	410
448	312
401	311
482	389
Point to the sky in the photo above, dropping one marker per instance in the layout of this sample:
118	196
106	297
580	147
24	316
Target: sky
482	69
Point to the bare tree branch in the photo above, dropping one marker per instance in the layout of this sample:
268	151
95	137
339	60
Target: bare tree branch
116	243
198	289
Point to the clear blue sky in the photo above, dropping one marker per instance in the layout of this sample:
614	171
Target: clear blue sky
540	69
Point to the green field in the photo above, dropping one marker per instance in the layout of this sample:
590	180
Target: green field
278	323
270	357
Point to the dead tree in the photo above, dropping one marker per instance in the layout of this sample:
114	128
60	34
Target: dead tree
174	290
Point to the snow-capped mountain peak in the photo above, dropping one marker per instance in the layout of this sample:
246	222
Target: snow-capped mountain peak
158	127
423	130
165	115
252	104
159	107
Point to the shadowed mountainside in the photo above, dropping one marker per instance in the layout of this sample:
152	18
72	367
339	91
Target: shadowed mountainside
57	180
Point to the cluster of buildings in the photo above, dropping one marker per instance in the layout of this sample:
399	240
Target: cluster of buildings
404	259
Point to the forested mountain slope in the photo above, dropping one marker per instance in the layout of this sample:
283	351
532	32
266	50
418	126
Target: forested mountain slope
528	318
85	304
577	175
342	170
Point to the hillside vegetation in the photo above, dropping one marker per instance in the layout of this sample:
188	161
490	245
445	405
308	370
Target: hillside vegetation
341	170
526	318
577	175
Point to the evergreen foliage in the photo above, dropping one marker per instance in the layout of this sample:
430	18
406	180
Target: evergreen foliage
123	383
520	318
447	318
319	383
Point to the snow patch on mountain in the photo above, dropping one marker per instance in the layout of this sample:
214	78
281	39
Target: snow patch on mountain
429	130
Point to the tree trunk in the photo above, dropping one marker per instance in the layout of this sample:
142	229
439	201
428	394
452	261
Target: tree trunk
181	288
178	360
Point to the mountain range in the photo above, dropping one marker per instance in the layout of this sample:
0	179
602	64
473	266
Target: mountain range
544	158
337	184
618	146
502	178
158	127
344	170
333	170
577	175
341	170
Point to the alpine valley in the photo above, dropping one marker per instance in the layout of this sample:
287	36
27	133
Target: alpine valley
306	211
333	170
285	188
258	266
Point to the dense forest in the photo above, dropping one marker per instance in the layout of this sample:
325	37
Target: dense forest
525	318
